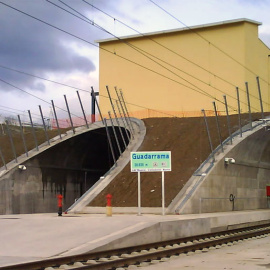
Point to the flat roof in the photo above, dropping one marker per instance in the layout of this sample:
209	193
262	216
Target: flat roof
182	29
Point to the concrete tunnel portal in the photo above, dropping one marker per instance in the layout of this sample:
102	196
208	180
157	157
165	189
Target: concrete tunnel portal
70	167
80	160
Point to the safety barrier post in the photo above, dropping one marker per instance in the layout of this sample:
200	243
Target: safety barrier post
33	130
73	129
23	139
86	123
208	133
260	96
228	118
218	126
55	116
249	109
239	111
44	126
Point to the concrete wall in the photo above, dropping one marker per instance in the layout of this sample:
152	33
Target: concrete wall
27	192
186	226
246	179
70	167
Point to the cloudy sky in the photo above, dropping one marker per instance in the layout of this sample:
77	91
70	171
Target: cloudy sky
48	48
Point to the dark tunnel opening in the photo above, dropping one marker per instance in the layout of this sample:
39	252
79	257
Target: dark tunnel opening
76	164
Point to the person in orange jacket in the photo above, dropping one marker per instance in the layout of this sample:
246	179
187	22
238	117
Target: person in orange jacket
60	205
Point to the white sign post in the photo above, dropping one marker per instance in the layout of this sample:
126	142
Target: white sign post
139	194
163	194
150	162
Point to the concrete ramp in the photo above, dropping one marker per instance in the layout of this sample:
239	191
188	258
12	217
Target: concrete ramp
236	186
139	134
70	165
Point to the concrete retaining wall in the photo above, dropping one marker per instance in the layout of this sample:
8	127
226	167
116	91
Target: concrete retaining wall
246	180
187	225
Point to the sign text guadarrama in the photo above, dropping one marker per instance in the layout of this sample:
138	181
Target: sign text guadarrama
150	161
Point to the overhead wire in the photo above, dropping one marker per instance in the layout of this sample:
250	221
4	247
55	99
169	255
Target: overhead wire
147	54
97	46
76	88
215	46
66	32
45	101
178	54
128	44
18	88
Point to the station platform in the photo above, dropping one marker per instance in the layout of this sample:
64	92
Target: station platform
31	237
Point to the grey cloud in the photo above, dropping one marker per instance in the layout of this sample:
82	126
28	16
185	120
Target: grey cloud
38	49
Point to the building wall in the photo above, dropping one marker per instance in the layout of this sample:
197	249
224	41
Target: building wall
189	87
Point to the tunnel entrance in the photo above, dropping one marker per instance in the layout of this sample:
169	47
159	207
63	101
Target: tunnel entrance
75	165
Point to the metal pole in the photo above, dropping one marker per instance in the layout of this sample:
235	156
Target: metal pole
119	100
218	126
109	139
11	142
94	95
239	111
93	108
125	127
69	115
82	109
115	135
44	126
208	133
59	133
115	115
121	93
228	118
139	194
3	160
121	133
109	95
260	95
249	110
123	110
23	139
33	130
163	194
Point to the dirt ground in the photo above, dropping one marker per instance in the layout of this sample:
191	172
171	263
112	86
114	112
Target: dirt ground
5	144
186	138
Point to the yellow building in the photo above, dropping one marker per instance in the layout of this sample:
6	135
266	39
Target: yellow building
179	72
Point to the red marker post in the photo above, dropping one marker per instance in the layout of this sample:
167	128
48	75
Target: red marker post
109	205
268	195
60	204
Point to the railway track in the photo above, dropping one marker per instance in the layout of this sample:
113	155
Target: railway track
136	256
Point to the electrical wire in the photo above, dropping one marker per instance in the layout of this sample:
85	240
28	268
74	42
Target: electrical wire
144	53
206	40
176	53
45	79
122	57
45	101
96	46
147	55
